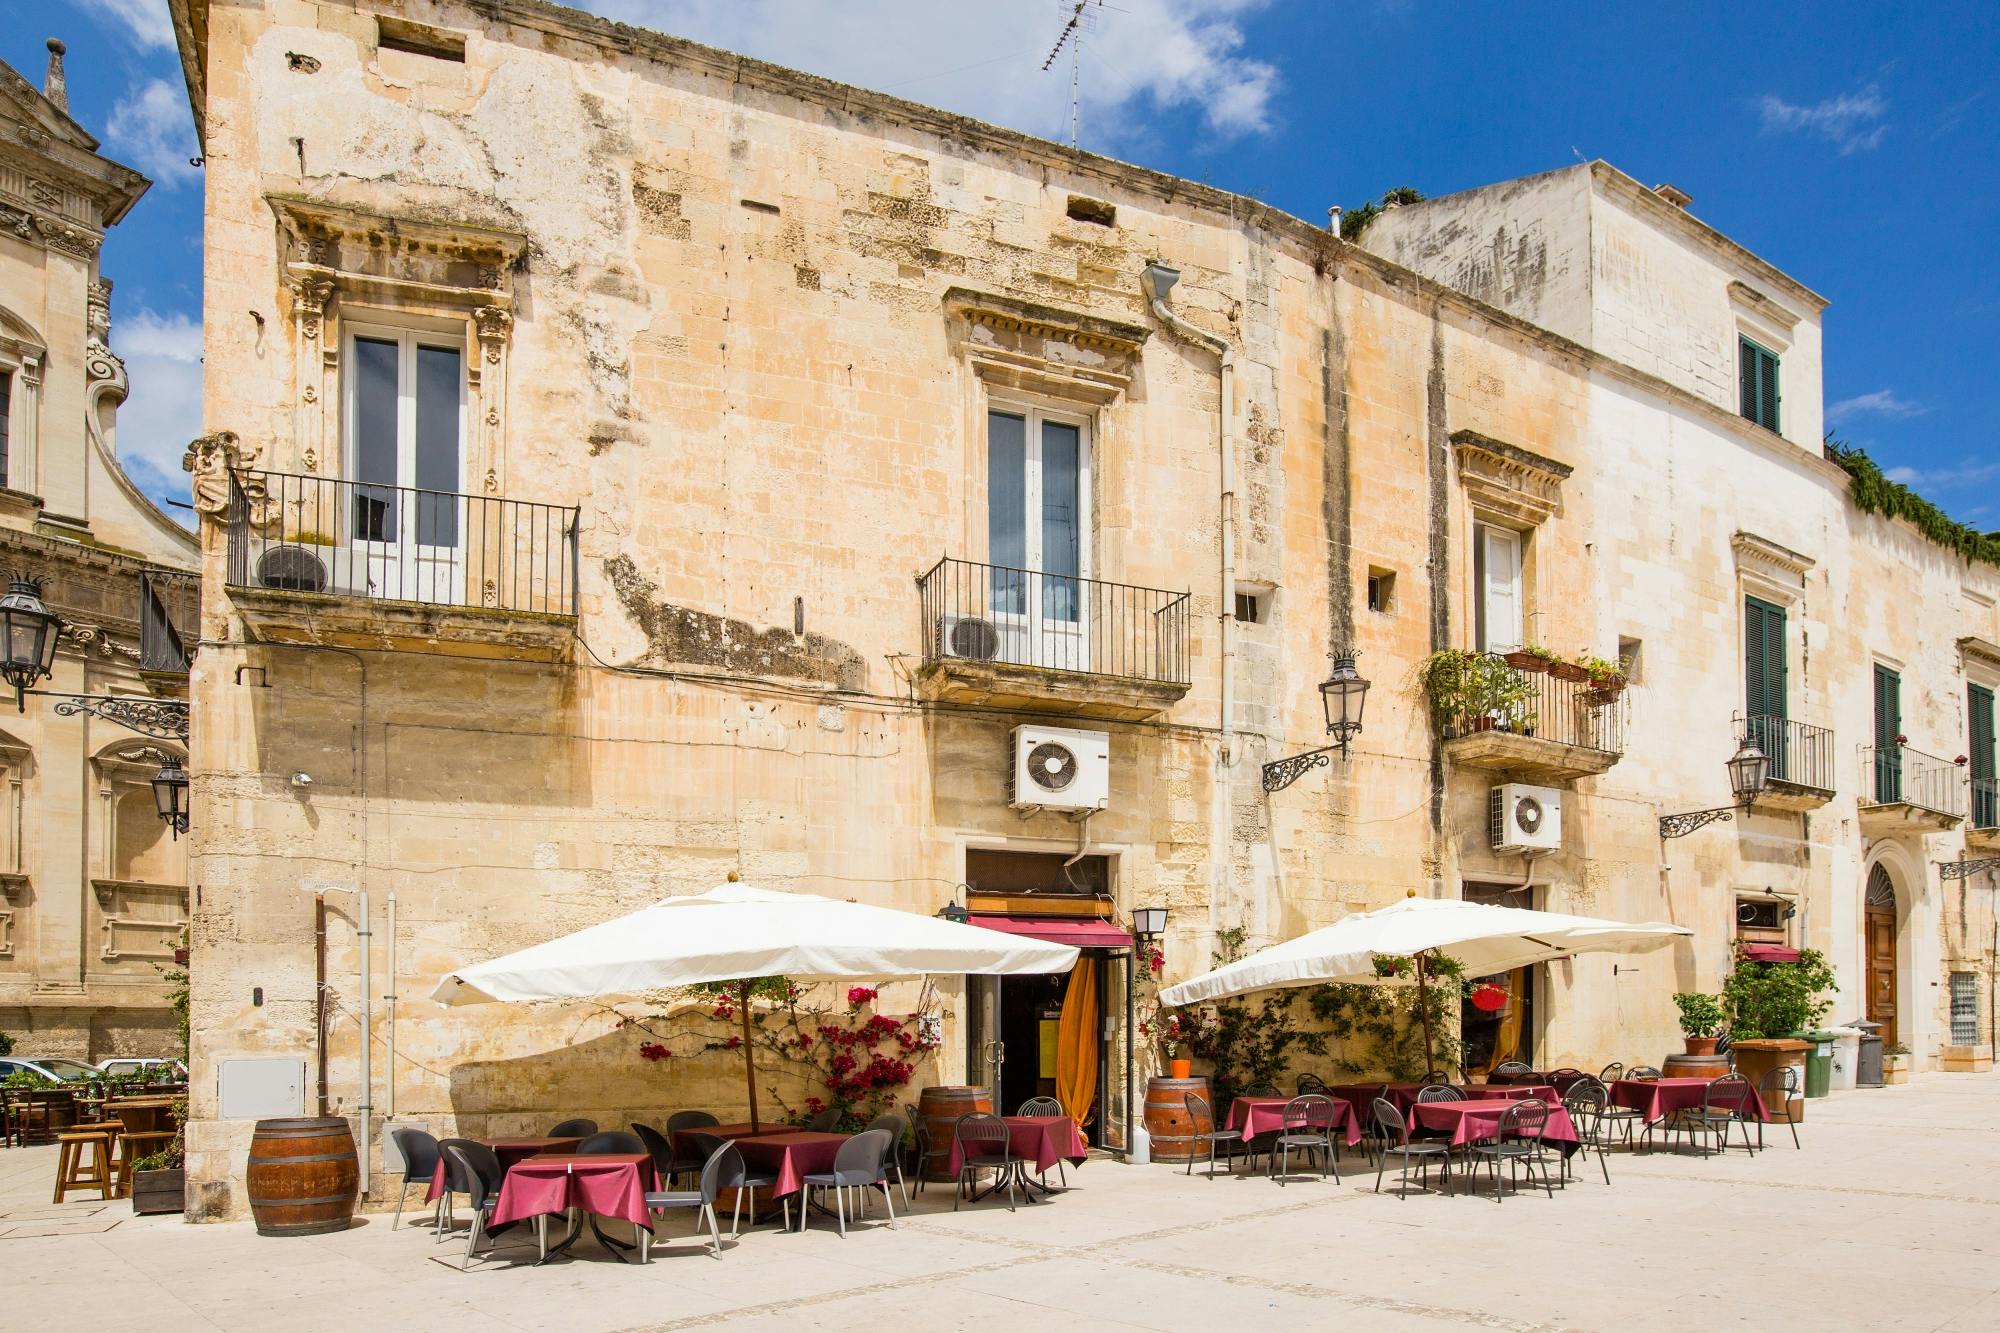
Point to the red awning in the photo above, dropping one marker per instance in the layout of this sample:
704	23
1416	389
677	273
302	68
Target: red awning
1770	953
1082	932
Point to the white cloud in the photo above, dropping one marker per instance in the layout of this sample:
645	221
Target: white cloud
984	60
1957	476
162	413
1881	403
152	129
1852	121
145	21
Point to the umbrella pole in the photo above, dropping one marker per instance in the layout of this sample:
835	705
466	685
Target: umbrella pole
749	1060
1423	1012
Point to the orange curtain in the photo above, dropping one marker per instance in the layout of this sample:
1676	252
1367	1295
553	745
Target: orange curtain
1507	1045
1076	1042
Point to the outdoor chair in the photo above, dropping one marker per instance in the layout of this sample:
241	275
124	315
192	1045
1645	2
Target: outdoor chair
610	1141
1439	1092
667	1164
420	1164
1394	1133
474	1169
1611	1073
1613	1121
1559	1079
861	1164
923	1148
1373	1140
1438	1076
1725	1102
1046	1106
1310	1083
825	1122
893	1124
1519	1142
1263	1090
984	1144
1586	1102
573	1129
1308	1126
681	1120
1199	1113
1515	1067
701	1198
1642	1071
455	1183
1777	1088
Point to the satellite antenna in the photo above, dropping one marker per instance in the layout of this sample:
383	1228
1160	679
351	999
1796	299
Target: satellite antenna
1078	17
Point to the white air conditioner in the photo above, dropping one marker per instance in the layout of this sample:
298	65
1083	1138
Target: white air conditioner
1526	819
972	637
1056	768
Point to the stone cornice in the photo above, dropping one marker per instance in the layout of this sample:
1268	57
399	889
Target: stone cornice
1665	214
1750	298
1507	479
1984	651
1769	558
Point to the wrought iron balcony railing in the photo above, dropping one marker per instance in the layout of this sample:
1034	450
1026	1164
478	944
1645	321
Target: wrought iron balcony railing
1023	617
310	534
1483	693
1800	754
1898	775
1986	803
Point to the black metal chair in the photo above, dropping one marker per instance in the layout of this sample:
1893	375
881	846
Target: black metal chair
861	1164
457	1181
477	1167
923	1149
1611	1073
825	1122
701	1198
420	1164
1586	1102
578	1128
1620	1122
1726	1101
610	1141
892	1124
1308	1126
1642	1071
1394	1132
1519	1141
1310	1083
1777	1088
984	1144
1198	1114
1262	1090
1560	1079
681	1120
1509	1068
1046	1106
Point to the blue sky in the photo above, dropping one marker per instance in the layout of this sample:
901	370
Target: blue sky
1857	147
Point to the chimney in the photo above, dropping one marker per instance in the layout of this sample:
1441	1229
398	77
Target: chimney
55	87
1673	194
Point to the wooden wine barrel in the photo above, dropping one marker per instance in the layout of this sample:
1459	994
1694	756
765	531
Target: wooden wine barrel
1168	1122
302	1177
1694	1066
940	1108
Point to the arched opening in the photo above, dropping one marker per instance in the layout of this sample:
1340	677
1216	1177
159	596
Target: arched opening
1881	987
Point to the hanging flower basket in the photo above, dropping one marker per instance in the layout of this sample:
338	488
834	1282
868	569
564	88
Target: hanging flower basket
1489	998
1568	671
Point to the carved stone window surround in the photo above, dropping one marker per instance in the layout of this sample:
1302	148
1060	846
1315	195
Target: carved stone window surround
22	356
1503	481
1768	570
1042	349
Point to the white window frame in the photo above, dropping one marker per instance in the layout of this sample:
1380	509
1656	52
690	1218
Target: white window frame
1035	413
1516	541
402	568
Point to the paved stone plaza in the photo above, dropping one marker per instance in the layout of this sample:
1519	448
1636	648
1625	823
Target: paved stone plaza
1886	1220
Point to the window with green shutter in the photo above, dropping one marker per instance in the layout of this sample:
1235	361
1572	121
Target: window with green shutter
1758	370
1888	726
1980	753
1764	680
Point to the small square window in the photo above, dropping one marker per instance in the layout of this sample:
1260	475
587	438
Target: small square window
1965	1008
1381	590
1249	608
1631	652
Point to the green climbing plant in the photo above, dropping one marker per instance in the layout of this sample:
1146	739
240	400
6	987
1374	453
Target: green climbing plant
1354	221
1873	493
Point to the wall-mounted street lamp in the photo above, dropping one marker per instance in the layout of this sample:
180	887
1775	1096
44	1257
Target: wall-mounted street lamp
1149	923
170	795
1749	774
1967	869
1343	695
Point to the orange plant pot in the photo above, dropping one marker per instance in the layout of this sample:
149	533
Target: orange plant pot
1180	1068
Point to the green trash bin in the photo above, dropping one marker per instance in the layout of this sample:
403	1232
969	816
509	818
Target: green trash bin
1819	1062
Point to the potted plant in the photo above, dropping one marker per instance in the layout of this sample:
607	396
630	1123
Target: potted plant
1571	670
1896	1064
159	1180
1701	1021
1777	999
1532	658
1606	679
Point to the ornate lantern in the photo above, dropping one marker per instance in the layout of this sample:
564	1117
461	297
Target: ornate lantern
1344	695
1749	772
28	635
170	795
1149	923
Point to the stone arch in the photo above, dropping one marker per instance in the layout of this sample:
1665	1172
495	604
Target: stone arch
1891	880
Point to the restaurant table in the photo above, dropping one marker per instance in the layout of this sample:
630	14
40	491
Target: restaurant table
1509	1092
1252	1116
1537	1076
1361	1096
1657	1098
1040	1140
595	1184
509	1151
789	1154
1468	1122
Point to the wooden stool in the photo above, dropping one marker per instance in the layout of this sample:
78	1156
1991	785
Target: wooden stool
74	1172
133	1145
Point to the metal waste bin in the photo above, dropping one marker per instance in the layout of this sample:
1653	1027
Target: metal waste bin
1819	1062
1868	1061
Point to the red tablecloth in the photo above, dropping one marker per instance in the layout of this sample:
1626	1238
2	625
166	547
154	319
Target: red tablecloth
793	1155
1361	1096
509	1151
605	1184
1509	1092
1658	1097
1537	1076
1474	1122
1039	1140
1251	1116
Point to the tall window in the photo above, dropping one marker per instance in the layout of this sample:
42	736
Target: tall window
1496	558
6	397
1980	752
405	408
1759	374
1888	726
1965	1008
1764	679
1037	509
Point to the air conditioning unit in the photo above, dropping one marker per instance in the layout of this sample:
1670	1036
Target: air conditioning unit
1526	819
971	637
292	568
1056	768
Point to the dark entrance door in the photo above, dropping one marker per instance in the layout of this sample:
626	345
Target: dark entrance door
1012	1045
1493	1037
1879	948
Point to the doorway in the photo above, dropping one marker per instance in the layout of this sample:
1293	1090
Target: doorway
1491	1037
405	418
1879	948
1015	1045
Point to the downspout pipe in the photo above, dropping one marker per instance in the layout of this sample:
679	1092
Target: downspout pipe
1157	282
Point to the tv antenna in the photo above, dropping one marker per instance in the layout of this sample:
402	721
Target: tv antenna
1078	17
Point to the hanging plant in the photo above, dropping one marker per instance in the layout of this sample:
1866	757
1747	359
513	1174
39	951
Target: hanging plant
1489	998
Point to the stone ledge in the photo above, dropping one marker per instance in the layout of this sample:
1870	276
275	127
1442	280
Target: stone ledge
1781	795
1027	689
1528	756
331	620
1899	816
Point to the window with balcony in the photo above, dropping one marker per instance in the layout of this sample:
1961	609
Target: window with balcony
1037	511
1497	573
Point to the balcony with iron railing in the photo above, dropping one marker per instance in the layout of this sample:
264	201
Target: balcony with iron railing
1802	775
327	560
1054	643
1902	787
1530	722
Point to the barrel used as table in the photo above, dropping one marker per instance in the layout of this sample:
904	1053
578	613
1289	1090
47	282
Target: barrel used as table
302	1177
1694	1066
940	1108
1172	1129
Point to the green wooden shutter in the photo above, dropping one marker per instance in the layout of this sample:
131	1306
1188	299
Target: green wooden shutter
1746	377
1764	680
1757	371
1767	389
1985	798
1888	725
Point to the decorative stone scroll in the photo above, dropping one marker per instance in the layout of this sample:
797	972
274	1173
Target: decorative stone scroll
1047	349
210	460
1507	480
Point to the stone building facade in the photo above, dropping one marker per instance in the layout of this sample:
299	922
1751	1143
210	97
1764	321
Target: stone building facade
93	887
631	463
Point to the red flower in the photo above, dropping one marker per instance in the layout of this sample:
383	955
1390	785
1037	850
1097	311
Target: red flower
734	1043
652	1050
859	995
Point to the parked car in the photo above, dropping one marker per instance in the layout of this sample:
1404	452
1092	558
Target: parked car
56	1067
157	1069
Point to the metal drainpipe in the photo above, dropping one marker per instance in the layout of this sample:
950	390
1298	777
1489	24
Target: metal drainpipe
367	942
389	1001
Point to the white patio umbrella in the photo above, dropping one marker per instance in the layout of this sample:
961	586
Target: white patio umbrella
735	932
1485	937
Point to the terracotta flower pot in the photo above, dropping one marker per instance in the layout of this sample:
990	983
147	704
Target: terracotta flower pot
1180	1068
1568	671
1526	662
1701	1045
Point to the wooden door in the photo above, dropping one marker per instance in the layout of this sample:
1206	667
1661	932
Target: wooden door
1881	952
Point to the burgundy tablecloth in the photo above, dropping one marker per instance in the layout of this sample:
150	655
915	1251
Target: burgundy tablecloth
793	1155
1509	1092
1252	1116
1655	1098
1361	1096
605	1184
1474	1122
1039	1140
1537	1076
509	1151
